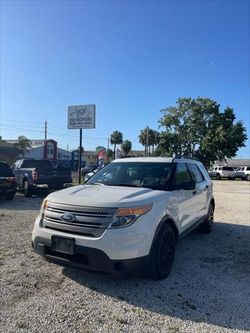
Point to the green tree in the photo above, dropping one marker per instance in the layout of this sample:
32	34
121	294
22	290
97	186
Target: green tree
196	127
23	143
126	147
149	138
116	138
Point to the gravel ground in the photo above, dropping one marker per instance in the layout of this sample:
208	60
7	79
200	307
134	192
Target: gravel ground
207	291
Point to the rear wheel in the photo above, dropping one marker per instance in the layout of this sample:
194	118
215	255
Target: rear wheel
217	176
26	189
163	253
248	177
207	225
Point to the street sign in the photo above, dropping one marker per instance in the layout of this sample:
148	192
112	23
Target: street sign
81	116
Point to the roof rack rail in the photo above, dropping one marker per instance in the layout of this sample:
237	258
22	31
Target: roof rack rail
184	157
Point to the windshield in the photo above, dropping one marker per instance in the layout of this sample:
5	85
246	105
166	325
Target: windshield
134	174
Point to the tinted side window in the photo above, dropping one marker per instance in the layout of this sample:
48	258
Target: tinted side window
195	172
248	168
182	176
228	169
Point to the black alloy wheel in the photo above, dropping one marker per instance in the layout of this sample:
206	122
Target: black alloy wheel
163	253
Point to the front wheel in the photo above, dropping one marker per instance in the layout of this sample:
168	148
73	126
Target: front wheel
248	177
26	189
207	225
163	253
217	177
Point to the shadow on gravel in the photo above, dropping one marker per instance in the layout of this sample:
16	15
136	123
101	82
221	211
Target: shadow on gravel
210	281
20	202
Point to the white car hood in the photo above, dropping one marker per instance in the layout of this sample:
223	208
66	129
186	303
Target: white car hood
106	196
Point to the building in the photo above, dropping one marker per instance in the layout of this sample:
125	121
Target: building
45	149
235	162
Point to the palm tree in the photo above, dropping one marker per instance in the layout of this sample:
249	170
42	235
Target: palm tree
126	147
149	138
143	139
116	138
155	140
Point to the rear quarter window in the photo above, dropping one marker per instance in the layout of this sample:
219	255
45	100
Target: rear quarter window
228	169
195	172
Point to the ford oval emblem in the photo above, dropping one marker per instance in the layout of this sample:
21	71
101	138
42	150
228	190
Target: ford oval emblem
67	217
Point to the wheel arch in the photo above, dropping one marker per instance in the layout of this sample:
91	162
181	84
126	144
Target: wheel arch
167	220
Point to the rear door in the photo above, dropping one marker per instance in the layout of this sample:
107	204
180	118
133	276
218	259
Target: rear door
201	190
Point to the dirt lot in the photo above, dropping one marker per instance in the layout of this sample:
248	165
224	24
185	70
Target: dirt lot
207	291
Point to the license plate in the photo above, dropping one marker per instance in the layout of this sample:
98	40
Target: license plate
63	245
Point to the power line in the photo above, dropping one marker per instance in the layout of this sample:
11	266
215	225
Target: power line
22	121
20	126
13	128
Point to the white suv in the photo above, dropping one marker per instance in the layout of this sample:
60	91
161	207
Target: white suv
219	172
243	173
129	214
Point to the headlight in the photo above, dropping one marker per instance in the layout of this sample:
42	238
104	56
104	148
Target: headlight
43	207
126	216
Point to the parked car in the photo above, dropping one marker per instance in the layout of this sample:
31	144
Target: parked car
90	174
243	173
129	214
7	181
33	174
219	172
89	168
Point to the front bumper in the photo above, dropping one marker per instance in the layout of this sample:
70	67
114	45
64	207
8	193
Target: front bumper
89	258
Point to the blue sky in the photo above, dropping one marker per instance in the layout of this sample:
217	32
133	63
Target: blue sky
130	58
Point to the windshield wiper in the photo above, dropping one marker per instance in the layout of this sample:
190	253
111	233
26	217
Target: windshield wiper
94	184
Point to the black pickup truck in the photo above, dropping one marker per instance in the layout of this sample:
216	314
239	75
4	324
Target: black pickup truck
32	174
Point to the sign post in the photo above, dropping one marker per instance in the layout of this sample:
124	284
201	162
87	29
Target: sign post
81	117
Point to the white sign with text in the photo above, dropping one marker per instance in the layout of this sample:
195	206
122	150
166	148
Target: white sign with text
81	116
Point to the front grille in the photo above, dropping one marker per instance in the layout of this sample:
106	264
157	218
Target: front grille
88	221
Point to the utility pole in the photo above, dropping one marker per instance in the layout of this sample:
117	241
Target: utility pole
107	152
80	159
147	141
45	129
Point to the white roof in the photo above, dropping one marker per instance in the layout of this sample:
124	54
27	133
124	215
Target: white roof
145	159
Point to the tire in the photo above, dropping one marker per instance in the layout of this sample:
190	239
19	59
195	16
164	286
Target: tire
163	253
26	189
217	177
248	178
207	225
